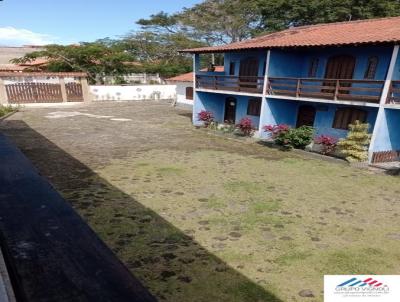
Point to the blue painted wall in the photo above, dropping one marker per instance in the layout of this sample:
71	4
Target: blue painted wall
280	111
208	101
361	54
241	111
285	63
295	63
215	103
238	56
326	114
388	135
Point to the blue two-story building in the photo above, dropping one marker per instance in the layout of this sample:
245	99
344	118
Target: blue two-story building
326	76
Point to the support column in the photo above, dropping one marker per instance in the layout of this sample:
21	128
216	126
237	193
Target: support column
389	75
196	68
264	98
3	93
63	90
87	97
383	100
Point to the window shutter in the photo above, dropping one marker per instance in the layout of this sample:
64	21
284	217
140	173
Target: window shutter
254	107
189	93
346	116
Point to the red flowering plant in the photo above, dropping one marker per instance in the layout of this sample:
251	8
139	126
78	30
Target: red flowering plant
279	133
276	130
205	116
328	143
245	126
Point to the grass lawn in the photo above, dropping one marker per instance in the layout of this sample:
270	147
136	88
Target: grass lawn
200	218
283	224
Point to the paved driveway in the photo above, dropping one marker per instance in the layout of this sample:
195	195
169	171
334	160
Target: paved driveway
202	218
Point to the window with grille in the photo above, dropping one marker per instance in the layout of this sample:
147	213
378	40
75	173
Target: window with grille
346	116
254	107
371	68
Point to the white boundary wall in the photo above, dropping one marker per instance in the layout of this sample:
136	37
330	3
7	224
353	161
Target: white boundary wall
181	93
132	93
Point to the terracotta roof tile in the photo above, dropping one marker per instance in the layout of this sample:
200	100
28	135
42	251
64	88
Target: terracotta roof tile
372	31
36	62
11	67
42	74
188	77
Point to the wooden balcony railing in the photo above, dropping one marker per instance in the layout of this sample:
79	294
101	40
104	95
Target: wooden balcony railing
231	83
394	93
332	89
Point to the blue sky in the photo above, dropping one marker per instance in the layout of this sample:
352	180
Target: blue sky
71	21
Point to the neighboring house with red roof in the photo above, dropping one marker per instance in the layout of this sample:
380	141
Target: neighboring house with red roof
7	53
325	76
184	85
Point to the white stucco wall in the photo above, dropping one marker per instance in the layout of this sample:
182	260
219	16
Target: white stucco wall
131	93
181	93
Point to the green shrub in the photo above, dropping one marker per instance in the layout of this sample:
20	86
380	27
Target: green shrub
355	145
6	109
300	137
290	138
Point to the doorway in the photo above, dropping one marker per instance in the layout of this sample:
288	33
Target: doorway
230	110
339	67
248	72
306	116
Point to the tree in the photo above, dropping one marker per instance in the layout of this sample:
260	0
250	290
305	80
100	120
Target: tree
159	52
103	57
211	22
221	21
281	14
158	42
355	145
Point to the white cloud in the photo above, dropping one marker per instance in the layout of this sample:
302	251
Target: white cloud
12	36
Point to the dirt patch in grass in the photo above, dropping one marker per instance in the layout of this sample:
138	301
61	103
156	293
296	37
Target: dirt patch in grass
202	218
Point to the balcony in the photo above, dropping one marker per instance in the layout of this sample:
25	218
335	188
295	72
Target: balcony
394	93
330	89
250	84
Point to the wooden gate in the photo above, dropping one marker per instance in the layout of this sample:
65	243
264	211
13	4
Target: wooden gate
20	93
74	92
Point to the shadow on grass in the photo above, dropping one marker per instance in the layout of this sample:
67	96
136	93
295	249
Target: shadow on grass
273	145
164	258
189	115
